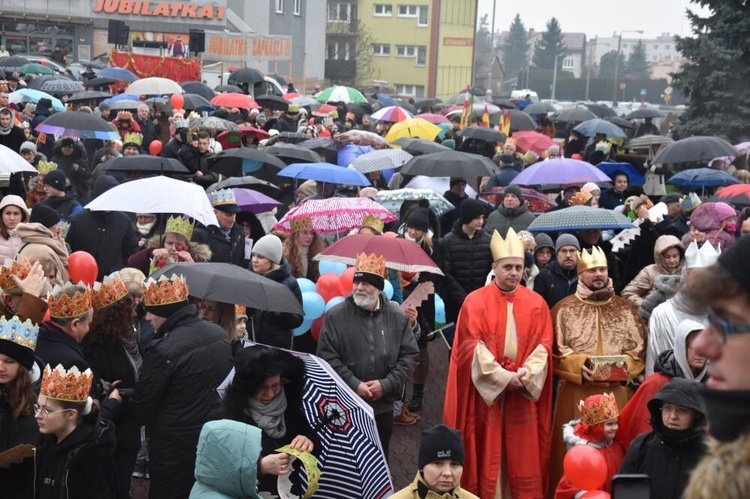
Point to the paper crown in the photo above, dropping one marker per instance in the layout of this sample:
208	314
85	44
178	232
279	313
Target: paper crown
69	307
133	138
293	109
690	202
44	167
372	264
12	268
124	116
181	123
179	225
373	222
165	291
703	257
21	333
109	291
580	198
68	386
64	229
598	409
299	224
591	260
511	246
603	146
240	311
223	197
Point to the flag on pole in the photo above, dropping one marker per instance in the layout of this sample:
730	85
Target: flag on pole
468	108
504	124
486	117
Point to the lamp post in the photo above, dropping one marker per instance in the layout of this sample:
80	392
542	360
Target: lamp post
492	47
617	64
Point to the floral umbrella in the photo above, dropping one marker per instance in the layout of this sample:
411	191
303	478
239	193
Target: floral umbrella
392	200
330	216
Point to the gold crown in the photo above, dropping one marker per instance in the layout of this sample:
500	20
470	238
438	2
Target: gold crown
12	268
44	167
598	408
133	138
372	264
67	386
299	224
165	291
240	311
109	291
580	198
373	222
181	226
511	246
69	307
124	116
595	259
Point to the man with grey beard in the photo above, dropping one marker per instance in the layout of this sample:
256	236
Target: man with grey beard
369	342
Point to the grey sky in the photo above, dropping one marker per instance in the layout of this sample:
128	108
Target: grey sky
603	17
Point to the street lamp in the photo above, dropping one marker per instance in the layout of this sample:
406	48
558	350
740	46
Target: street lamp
617	64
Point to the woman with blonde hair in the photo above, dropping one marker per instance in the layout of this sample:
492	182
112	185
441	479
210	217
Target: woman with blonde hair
174	245
300	248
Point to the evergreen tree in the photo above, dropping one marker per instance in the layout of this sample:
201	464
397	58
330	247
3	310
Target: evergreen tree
549	46
637	63
716	74
515	49
607	65
483	39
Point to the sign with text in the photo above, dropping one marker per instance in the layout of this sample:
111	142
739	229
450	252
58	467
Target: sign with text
458	42
192	11
236	47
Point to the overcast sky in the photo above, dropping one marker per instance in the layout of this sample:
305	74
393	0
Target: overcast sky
602	18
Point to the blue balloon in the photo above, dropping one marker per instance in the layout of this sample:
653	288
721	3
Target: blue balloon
388	289
439	310
333	302
313	305
326	266
306	284
302	328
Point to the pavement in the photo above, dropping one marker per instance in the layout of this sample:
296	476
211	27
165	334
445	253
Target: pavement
405	439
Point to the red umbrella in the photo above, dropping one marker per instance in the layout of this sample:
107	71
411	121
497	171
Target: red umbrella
536	202
532	141
228	140
234	99
737	195
433	118
324	110
400	254
291	95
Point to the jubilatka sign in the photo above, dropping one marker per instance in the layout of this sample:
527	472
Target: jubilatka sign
175	10
231	47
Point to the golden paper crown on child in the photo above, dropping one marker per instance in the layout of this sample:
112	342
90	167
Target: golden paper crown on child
133	138
124	116
373	222
372	264
510	246
12	268
591	260
66	385
181	226
598	409
69	307
165	291
299	224
110	290
240	311
44	167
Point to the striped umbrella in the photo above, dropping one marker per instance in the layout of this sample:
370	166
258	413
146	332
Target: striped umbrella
340	93
383	159
393	114
334	215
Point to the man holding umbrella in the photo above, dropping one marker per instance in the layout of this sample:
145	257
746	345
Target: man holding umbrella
227	241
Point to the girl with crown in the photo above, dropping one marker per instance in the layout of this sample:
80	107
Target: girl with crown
300	248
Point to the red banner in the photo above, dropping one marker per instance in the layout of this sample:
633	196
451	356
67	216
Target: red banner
175	68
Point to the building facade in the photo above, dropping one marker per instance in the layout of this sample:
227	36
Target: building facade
661	52
576	53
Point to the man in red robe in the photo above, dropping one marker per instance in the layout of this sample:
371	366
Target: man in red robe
499	382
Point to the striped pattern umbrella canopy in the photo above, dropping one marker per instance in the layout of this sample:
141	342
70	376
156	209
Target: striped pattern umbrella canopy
340	93
393	114
383	159
334	215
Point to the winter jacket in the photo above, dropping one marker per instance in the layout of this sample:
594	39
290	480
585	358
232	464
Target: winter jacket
275	328
65	205
142	259
643	283
54	347
13	138
449	218
503	179
610	199
223	249
504	218
466	262
174	394
417	489
148	130
286	124
38	243
669	456
9	247
555	283
172	149
226	465
362	345
40	114
80	178
665	286
641	250
705	219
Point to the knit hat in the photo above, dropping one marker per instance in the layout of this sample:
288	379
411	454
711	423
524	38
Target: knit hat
28	146
736	262
724	211
55	179
670	198
456	180
567	240
544	241
470	209
268	246
515	190
590	187
419	217
438	443
553	150
67	141
43	214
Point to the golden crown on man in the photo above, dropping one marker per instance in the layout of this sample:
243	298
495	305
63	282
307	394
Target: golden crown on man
181	226
69	307
165	291
510	246
372	264
133	138
591	260
66	385
44	167
599	409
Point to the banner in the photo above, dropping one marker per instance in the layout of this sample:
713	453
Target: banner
238	47
174	68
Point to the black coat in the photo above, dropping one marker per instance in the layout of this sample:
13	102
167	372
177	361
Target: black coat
80	178
65	206
54	347
16	431
554	283
13	139
148	129
275	328
449	218
224	250
175	393
426	312
172	149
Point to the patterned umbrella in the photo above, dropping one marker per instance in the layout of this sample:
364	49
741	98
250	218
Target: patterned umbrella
580	217
392	200
340	93
536	202
12	63
384	159
364	138
647	141
212	123
400	254
334	215
393	114
62	86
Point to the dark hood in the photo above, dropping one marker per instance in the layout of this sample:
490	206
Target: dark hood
96	441
55	202
280	274
102	185
666	364
681	392
454	198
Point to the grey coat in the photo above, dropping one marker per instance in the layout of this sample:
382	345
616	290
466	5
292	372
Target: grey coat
503	218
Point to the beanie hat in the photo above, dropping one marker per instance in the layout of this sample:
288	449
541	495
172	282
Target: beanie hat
55	179
438	443
590	187
28	146
43	214
567	240
67	141
724	211
456	180
419	217
543	241
470	209
269	246
515	190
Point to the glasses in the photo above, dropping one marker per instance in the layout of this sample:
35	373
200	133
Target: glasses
724	327
46	412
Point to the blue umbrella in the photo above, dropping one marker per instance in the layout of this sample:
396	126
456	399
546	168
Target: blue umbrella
324	172
561	171
634	176
350	152
120	74
31	95
697	178
592	127
120	97
386	99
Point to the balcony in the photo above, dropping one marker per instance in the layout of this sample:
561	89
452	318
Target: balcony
342	28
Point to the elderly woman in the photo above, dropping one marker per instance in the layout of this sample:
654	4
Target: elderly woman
12	212
300	248
174	245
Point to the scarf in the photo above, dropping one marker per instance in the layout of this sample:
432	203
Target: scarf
728	412
683	303
144	229
269	417
5	130
586	293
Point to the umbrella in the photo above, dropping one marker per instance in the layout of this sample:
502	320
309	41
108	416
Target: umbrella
698	148
450	164
601	111
326	147
646	141
279	79
119	74
235	162
253	201
539	108
228	283
533	141
417	147
154	86
229	140
393	114
273	101
414	127
198	88
400	254
622	123
644	112
289	154
634	176
305	101
578	114
324	172
213	123
287	138
334	215
37	82
697	178
89	95
599	126
560	171
483	133
392	200
737	195
31	95
11	161
386	99
234	99
120	97
100	82
228	88
350	152
192	101
433	118
325	110
580	217
383	159
36	69
78	124
503	103
246	75
536	202
147	195
145	164
362	108
340	93
424	103
125	104
247	182
12	63
364	138
518	120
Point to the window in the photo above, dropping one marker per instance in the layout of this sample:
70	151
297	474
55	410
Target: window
406	50
408	10
381	49
339	12
297	7
383	9
338	51
656	47
416	91
421	56
279	6
422	19
568	63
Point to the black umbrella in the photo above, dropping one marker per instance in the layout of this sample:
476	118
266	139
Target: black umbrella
577	114
228	283
100	81
698	148
483	133
192	101
40	80
645	112
503	103
450	164
273	101
89	95
78	124
228	88
232	162
246	75
247	182
214	123
12	63
539	108
125	105
358	108
145	164
326	147
423	103
622	123
600	110
418	147
293	154
519	121
287	138
198	88
280	80
406	105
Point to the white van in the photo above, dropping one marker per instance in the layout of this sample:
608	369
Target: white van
521	95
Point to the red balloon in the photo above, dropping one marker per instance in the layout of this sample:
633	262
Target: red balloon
346	281
328	286
155	147
82	267
585	467
596	494
317	325
177	101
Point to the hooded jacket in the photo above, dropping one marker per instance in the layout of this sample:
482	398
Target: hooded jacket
275	328
705	219
669	456
38	243
643	283
226	250
65	206
417	489
80	178
504	218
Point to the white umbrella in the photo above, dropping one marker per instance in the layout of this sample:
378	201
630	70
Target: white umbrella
158	195
437	184
11	161
154	86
